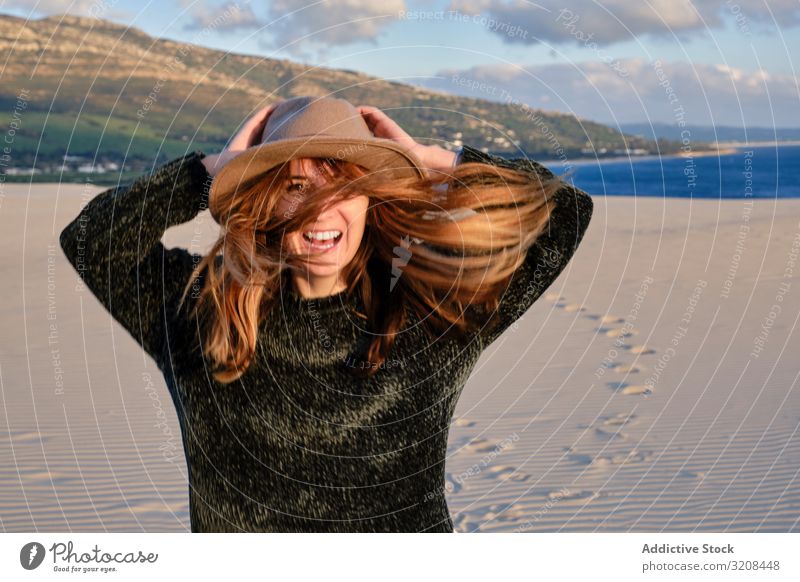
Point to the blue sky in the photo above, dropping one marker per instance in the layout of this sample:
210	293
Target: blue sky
703	61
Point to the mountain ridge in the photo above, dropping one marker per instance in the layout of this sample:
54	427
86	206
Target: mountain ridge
102	90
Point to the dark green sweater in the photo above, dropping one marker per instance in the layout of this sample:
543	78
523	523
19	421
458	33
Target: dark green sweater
298	443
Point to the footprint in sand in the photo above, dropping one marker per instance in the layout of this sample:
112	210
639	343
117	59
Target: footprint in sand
451	485
581	458
606	318
500	512
44	478
629	389
467	523
477	445
552	296
621	332
463	444
29	437
687	474
637	389
487	446
605	434
562	495
463	422
474	442
624	368
506	471
573	307
641	350
631	457
620	419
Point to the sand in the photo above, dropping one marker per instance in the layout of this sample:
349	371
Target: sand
654	387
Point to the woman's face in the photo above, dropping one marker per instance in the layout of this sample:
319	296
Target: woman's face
338	229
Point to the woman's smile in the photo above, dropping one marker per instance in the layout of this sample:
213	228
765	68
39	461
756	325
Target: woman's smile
322	240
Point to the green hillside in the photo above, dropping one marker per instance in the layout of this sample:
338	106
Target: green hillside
104	93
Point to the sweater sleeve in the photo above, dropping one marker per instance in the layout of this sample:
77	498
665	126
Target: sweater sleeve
548	256
115	246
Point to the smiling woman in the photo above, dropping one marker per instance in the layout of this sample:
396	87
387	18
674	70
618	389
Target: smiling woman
315	381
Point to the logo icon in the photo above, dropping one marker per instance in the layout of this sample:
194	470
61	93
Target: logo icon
402	253
31	555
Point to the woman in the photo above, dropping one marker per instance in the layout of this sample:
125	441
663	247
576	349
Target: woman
316	354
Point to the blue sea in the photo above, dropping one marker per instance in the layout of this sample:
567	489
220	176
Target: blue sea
758	172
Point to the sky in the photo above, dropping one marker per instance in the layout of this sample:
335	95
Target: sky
699	62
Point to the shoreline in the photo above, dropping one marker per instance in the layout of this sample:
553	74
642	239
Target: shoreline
724	149
695	154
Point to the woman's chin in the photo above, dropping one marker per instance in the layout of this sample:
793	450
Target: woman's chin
325	270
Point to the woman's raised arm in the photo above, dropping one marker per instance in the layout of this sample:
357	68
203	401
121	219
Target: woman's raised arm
549	254
115	245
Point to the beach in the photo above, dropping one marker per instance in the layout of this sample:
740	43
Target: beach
652	388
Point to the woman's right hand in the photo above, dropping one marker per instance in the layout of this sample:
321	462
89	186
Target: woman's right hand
248	136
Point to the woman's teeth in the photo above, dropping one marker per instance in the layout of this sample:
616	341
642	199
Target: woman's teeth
322	235
324	239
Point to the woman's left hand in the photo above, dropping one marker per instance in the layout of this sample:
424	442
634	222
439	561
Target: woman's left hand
248	136
383	126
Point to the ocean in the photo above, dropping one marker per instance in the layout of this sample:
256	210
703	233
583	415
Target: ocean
757	172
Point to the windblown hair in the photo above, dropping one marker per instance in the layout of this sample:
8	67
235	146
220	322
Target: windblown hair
463	233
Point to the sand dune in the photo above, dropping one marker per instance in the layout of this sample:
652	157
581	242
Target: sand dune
632	397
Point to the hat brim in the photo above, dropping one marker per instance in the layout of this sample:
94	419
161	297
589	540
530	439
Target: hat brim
376	154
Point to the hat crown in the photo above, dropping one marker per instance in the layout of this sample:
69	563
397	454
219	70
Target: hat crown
315	116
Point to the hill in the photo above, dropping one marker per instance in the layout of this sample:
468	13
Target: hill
111	97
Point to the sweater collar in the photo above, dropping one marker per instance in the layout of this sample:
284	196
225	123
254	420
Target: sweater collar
291	301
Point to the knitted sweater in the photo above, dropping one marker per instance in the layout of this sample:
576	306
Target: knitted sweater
297	444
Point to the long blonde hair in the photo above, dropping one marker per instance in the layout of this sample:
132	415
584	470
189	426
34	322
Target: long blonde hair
461	235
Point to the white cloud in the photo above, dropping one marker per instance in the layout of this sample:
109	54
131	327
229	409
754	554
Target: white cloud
708	94
329	22
99	8
581	21
228	17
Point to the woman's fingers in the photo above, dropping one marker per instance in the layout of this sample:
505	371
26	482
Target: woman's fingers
381	125
250	133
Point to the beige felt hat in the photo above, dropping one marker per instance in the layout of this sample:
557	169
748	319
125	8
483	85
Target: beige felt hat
325	127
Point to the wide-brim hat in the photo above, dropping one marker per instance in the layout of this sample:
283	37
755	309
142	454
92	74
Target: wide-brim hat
325	127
